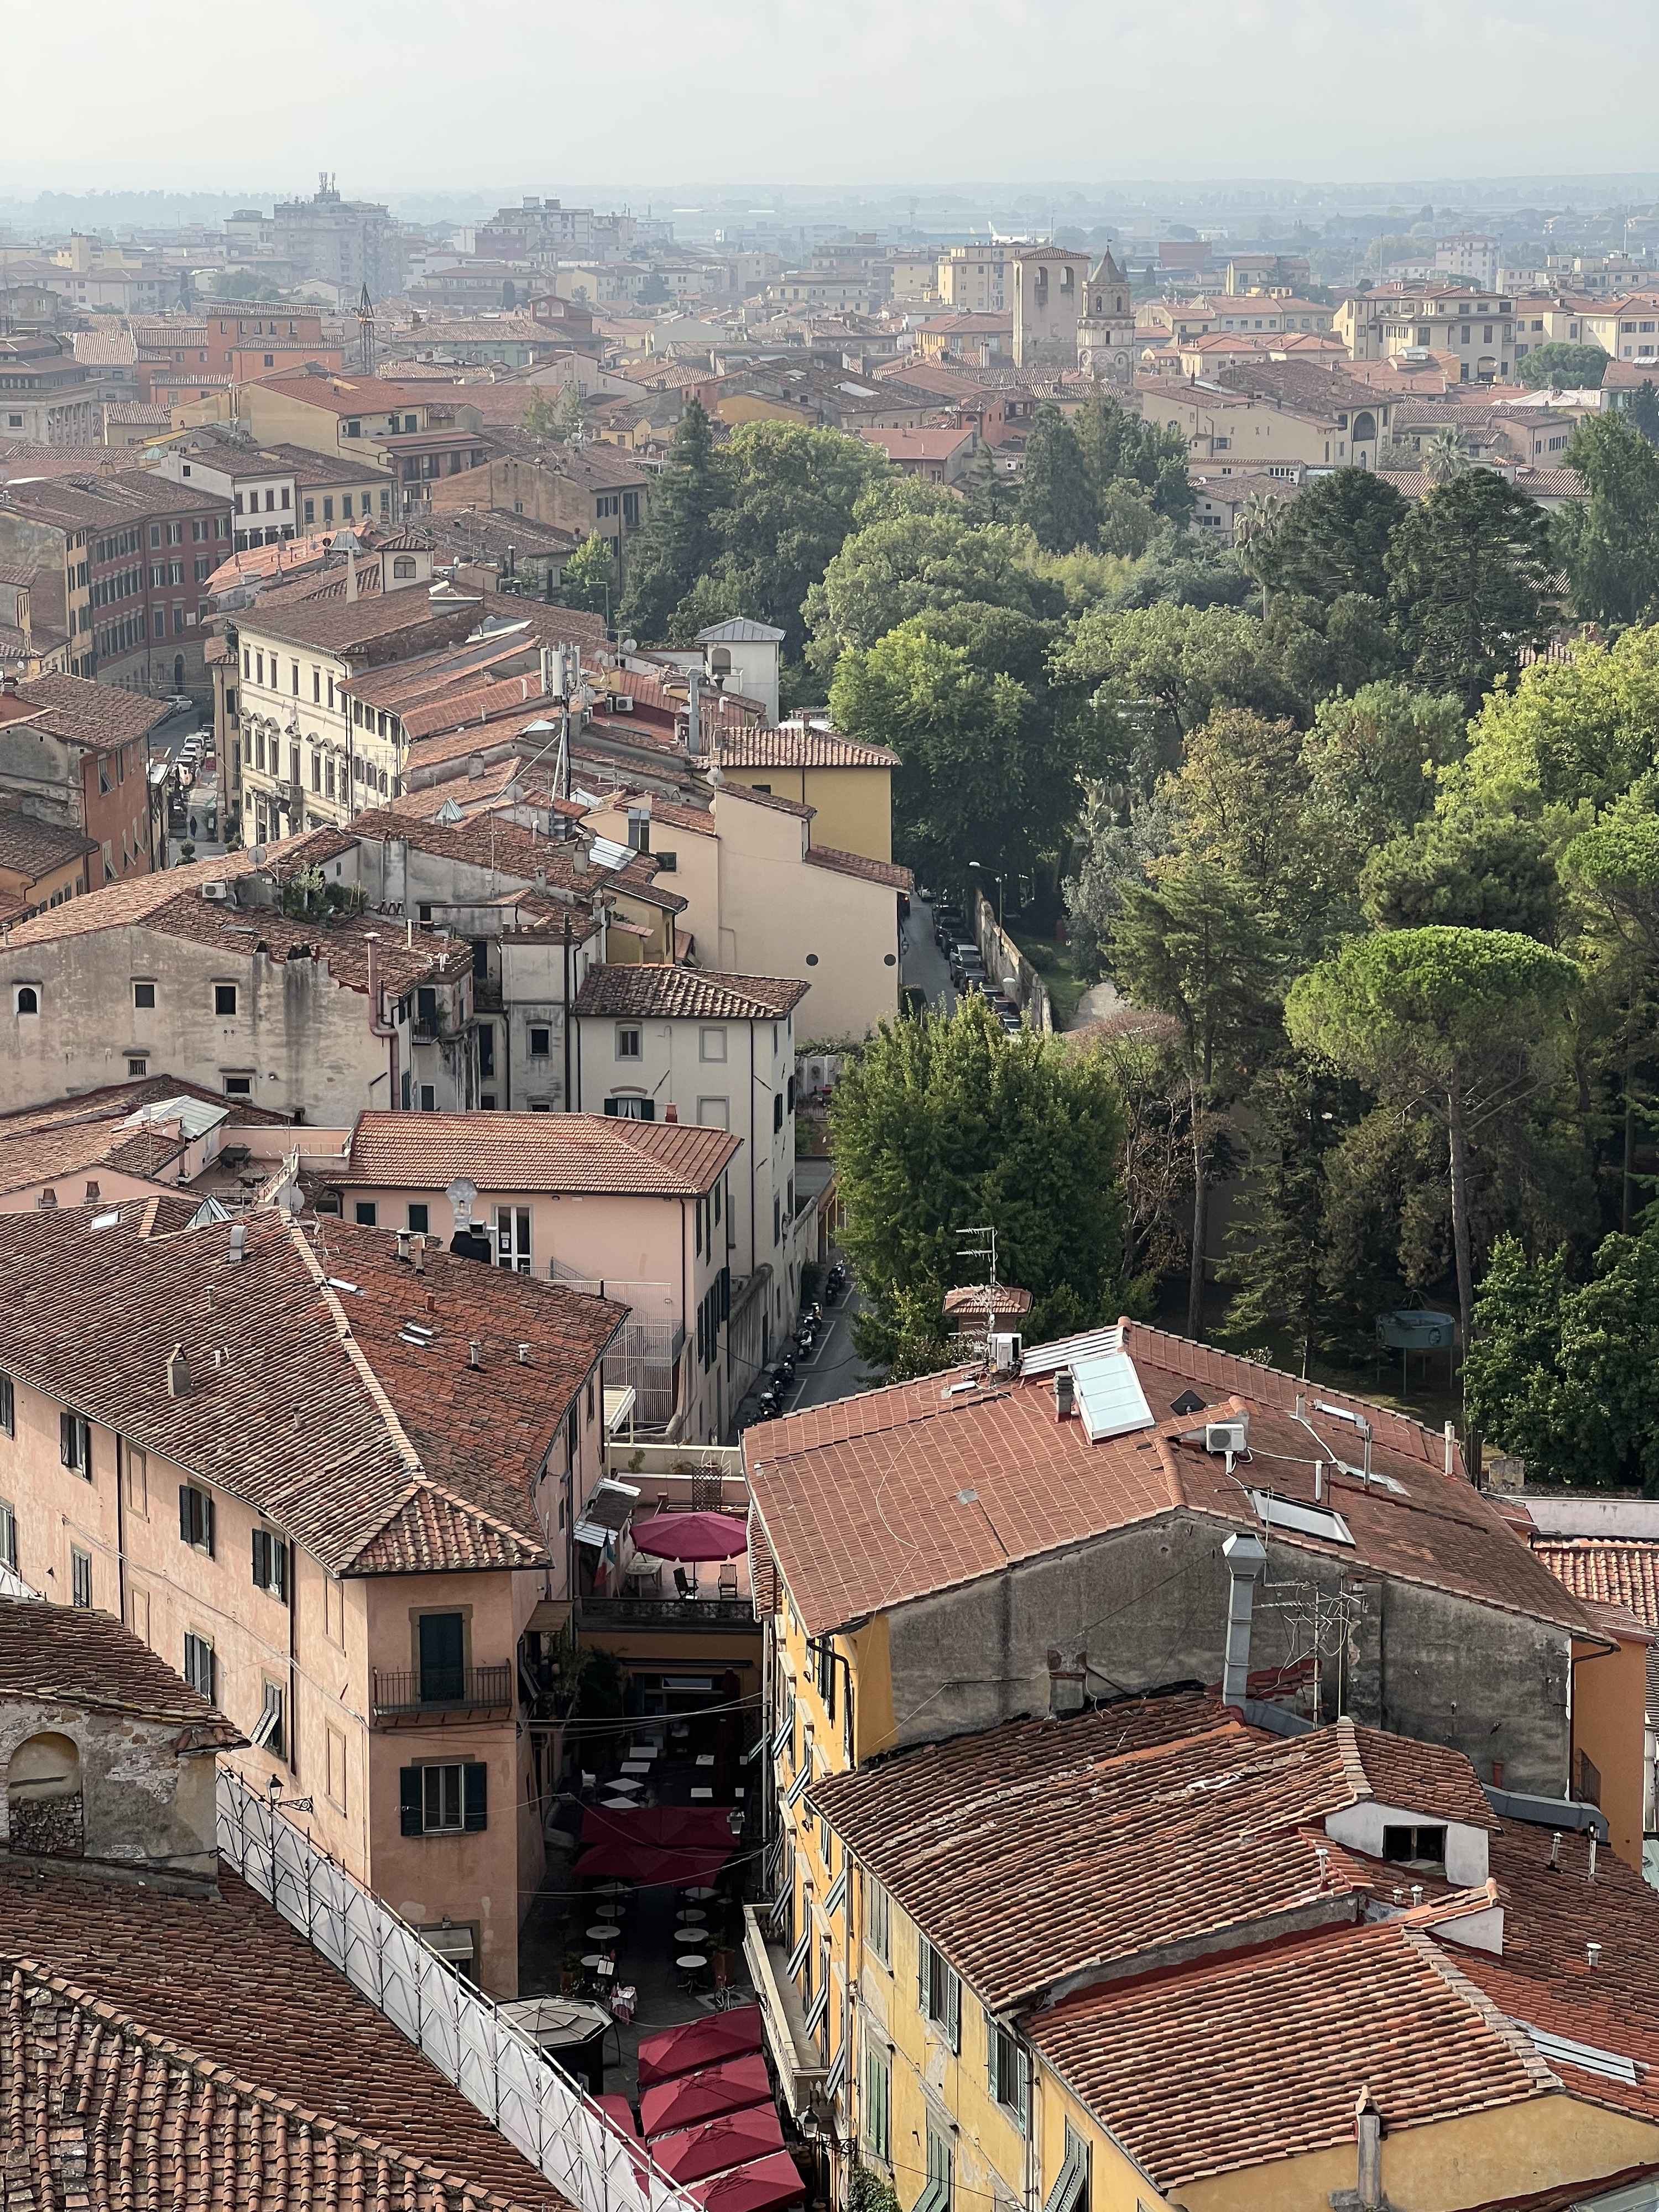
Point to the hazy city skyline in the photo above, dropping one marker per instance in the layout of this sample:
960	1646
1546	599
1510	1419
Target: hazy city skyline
1007	91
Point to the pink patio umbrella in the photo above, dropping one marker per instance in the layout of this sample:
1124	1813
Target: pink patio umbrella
707	2042
734	2139
689	2098
769	2182
690	1536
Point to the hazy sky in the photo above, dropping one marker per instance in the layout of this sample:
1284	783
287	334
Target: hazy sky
430	94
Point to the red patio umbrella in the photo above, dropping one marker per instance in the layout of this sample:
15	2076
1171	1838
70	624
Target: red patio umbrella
707	2042
768	2183
690	1536
734	2139
689	2098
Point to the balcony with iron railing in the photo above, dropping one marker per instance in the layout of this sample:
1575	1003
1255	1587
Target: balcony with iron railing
627	1611
413	1697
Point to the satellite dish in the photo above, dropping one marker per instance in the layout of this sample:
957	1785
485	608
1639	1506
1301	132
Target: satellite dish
630	645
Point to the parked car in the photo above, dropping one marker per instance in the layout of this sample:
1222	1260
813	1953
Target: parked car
180	704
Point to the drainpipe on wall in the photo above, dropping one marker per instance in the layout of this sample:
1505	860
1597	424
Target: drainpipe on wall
376	1026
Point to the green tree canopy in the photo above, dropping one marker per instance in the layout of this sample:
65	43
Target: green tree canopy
912	563
1610	541
942	1125
989	752
1567	1374
678	542
1584	729
1563	368
557	414
587	578
1335	535
1470	578
1468	866
1463	1023
1194	944
1164	669
1058	504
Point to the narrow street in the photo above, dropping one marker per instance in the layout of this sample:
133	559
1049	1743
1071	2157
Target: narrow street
923	966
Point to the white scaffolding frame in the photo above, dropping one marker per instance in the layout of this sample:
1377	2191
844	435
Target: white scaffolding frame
498	2069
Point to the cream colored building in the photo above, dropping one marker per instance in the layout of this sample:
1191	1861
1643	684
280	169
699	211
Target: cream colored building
1478	329
975	277
763	897
1236	433
848	783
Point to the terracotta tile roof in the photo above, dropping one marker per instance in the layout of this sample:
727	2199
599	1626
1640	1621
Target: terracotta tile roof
658	993
1037	1851
1240	2062
35	848
586	1153
118	905
335	626
72	1136
90	1660
860	864
200	2022
800	745
377	1451
341	395
81	713
859	1499
518	854
1606	1570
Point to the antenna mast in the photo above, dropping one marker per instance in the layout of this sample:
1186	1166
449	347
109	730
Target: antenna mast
982	1244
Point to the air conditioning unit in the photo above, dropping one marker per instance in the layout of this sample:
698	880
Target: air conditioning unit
1005	1353
622	703
1232	1437
218	892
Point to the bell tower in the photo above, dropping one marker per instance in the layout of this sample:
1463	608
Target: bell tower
1106	330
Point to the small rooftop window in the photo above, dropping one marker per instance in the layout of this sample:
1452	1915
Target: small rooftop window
1302	1520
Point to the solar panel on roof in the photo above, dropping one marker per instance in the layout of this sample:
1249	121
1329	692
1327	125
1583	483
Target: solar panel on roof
607	854
1109	1395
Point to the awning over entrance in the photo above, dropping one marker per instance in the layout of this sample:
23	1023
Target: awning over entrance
801	2071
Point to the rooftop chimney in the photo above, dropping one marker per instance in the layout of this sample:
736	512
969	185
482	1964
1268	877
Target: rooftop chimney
1368	2132
1592	1956
238	1251
524	1355
1067	1680
473	1350
403	1245
1246	1557
670	1112
1065	1394
178	1374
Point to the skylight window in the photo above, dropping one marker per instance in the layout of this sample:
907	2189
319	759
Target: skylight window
1302	1519
1588	2057
1109	1395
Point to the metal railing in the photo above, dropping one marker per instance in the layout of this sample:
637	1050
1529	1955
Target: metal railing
495	2066
438	1690
666	1613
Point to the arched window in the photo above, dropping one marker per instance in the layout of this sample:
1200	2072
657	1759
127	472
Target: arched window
42	1796
1365	425
719	661
28	998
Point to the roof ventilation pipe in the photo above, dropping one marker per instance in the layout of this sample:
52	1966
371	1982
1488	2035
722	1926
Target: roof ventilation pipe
1247	1558
1368	2133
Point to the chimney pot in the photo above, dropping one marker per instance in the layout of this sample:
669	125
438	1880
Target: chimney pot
473	1350
1417	1895
1592	1855
1592	1955
1555	1851
431	1303
1065	1393
178	1374
524	1355
670	1112
420	1258
403	1245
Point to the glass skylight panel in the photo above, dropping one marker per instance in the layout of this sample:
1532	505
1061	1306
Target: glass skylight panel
1109	1395
1305	1520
